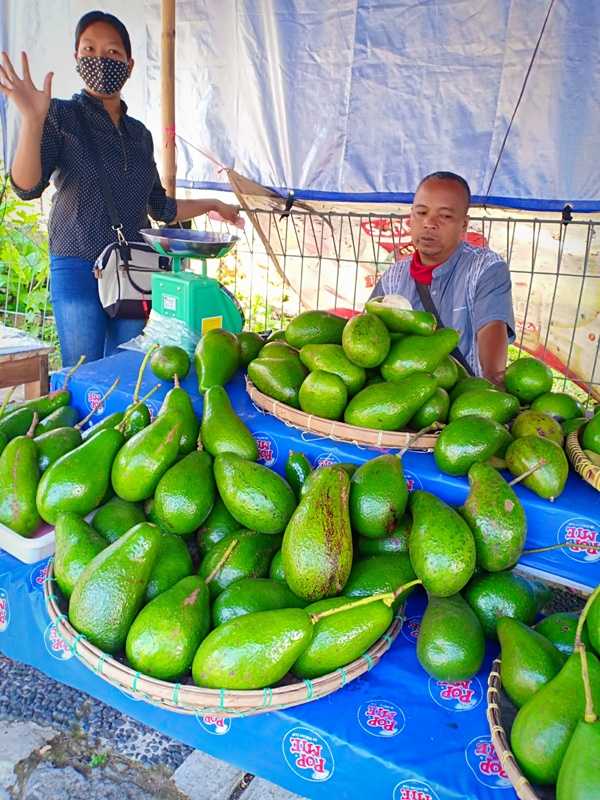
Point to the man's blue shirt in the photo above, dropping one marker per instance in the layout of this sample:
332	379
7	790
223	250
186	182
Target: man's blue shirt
469	290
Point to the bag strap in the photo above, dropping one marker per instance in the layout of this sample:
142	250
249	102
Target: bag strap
104	184
429	305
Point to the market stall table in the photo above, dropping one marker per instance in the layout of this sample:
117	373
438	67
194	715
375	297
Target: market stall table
393	734
574	517
23	360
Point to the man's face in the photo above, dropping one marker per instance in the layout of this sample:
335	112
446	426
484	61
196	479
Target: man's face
438	219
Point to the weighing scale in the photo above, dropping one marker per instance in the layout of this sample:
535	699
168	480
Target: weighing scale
200	302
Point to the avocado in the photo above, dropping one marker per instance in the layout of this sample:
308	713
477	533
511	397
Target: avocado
168	361
342	638
248	595
535	423
111	589
395	542
441	545
549	479
401	320
590	437
467	441
178	405
276	571
317	543
500	594
19	476
331	358
279	350
76	544
323	394
490	403
216	526
380	574
559	405
469	384
378	496
217	358
433	410
450	644
250	345
54	444
166	633
559	628
446	373
366	340
528	378
279	378
413	354
496	518
297	470
115	518
389	406
250	558
173	562
257	497
314	327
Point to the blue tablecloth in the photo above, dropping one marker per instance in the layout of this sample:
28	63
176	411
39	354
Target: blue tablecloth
573	517
393	734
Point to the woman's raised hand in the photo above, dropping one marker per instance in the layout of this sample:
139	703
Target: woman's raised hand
31	102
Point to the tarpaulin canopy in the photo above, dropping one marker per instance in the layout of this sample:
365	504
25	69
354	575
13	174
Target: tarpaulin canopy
358	99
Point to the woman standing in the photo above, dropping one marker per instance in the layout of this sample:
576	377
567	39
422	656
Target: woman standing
52	143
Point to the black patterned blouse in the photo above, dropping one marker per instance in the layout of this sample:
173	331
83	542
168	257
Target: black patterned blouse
79	224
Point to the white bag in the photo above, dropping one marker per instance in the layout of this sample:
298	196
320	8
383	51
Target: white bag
124	272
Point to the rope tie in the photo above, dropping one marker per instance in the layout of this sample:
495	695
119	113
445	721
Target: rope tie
222	699
136	677
100	664
267	696
344	676
369	660
76	641
309	688
175	696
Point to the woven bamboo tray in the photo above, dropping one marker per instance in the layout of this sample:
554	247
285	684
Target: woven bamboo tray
581	463
339	431
520	783
190	699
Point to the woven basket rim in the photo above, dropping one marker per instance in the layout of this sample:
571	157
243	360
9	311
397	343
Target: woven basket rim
520	783
190	699
580	462
336	430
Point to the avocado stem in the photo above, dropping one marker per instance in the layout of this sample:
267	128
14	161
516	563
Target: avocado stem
589	713
559	546
435	426
133	407
6	400
528	472
102	400
33	425
222	561
176	380
584	613
138	385
386	597
72	372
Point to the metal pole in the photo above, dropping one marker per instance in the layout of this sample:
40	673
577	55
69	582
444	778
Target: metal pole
167	88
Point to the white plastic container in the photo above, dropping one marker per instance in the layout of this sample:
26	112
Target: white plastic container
28	549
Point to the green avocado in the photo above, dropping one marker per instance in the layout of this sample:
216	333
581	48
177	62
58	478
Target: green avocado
401	320
248	595
378	496
500	594
559	405
467	441
250	345
549	479
323	394
168	361
527	378
331	358
490	403
366	340
535	423
250	558
279	378
315	327
76	544
222	431
389	406
115	518
217	358
413	354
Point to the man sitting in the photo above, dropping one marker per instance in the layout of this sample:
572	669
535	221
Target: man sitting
470	286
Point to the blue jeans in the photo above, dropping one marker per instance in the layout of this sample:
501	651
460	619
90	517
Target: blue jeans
83	326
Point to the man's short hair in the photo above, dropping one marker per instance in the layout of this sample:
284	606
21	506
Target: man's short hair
448	176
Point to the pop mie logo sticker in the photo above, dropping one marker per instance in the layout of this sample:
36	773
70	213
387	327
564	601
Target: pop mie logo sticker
583	537
214	724
414	790
267	448
456	695
381	718
4	611
484	763
93	397
410	629
308	755
37	576
55	644
326	460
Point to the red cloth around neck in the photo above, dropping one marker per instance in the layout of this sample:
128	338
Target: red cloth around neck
422	273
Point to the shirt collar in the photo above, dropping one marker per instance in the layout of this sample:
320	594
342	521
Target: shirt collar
96	104
449	264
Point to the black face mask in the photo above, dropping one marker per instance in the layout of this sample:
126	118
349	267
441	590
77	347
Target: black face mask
103	75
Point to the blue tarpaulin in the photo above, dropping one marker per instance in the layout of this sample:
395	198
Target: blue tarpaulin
573	518
393	733
358	99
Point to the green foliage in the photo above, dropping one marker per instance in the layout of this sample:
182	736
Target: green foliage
24	266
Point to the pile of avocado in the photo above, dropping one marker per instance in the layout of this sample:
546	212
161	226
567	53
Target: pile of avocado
390	369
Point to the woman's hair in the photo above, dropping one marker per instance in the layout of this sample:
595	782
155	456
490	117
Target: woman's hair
101	16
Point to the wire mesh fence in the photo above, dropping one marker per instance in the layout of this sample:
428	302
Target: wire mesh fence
285	264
